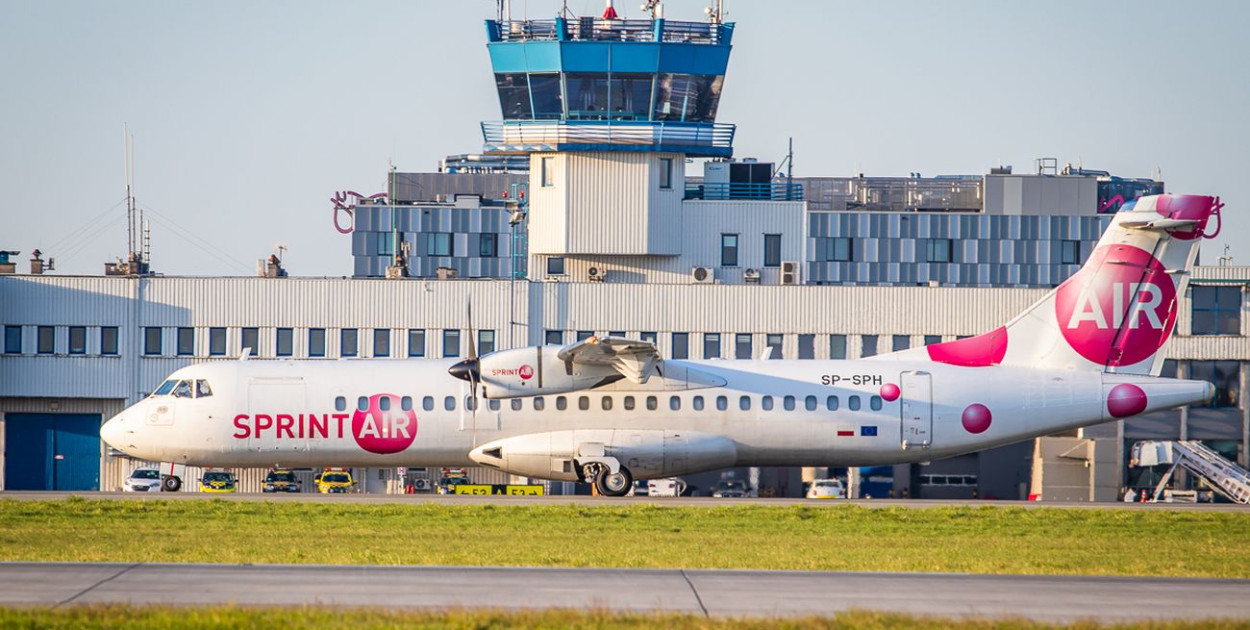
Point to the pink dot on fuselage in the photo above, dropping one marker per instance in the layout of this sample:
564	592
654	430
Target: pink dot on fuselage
890	392
977	418
1126	400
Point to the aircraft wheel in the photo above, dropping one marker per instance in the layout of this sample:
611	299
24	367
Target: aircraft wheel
171	483
613	485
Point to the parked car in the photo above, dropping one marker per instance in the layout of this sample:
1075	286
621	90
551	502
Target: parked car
730	489
280	480
219	481
335	481
826	489
143	480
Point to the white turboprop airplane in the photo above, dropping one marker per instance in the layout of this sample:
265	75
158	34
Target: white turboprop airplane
610	410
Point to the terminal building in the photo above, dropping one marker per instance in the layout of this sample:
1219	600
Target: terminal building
580	218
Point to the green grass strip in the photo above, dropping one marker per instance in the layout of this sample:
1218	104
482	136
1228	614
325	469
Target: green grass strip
320	618
840	538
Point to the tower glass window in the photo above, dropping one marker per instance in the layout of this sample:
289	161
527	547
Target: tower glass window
514	96
1216	310
545	96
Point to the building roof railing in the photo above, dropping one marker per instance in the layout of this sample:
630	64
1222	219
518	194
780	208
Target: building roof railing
723	191
596	29
529	136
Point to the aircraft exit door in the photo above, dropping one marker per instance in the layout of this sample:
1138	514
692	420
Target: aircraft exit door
917	409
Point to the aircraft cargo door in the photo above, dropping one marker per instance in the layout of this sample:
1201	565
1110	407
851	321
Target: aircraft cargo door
917	410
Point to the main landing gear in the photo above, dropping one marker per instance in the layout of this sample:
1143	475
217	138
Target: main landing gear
608	483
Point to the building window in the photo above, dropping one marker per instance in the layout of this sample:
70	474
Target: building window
839	249
585	334
1226	377
900	342
711	345
680	342
547	171
649	337
807	346
316	342
186	342
488	245
555	266
774	342
347	342
451	343
46	339
416	343
13	339
78	340
381	342
216	342
772	250
837	346
439	244
1069	252
666	173
386	244
251	340
485	341
554	338
284	342
108	340
742	346
869	348
938	250
1216	310
152	340
729	250
932	339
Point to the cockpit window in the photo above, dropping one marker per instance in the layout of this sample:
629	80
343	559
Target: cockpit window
183	389
165	388
202	389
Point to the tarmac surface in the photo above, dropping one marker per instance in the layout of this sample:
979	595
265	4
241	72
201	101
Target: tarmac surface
701	592
585	500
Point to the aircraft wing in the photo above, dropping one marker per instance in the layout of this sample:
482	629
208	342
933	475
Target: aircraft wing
635	360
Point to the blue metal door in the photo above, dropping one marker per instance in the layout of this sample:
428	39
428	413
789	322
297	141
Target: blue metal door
52	451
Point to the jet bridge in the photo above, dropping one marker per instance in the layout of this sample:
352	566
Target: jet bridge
1224	476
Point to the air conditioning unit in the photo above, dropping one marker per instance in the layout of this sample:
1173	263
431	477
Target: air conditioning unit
751	275
596	274
703	275
790	272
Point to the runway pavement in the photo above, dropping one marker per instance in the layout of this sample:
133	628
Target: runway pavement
591	501
700	592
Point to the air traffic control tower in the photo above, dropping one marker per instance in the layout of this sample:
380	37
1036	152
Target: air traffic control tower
608	110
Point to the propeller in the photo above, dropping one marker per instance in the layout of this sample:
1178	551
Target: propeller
470	369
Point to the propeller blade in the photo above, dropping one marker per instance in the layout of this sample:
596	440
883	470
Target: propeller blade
472	333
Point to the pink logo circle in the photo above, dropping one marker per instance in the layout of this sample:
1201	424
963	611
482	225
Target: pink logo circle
526	372
1126	400
384	431
890	392
977	418
1118	309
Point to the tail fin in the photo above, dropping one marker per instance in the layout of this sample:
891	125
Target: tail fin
1118	311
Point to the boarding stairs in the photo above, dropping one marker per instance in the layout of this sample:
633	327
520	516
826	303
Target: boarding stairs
1224	476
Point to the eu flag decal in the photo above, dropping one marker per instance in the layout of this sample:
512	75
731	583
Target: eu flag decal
868	431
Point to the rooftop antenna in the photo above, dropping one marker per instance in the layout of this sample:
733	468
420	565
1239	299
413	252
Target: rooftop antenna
654	7
130	195
716	13
1227	259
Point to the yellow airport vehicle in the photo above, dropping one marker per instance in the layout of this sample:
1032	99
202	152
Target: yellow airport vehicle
218	481
335	481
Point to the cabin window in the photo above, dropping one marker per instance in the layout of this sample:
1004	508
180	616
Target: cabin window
788	403
853	403
629	403
362	403
652	403
831	403
470	403
583	402
766	403
539	403
384	403
722	403
493	405
744	403
810	403
874	403
562	403
427	403
607	403
674	403
340	403
449	403
697	403
405	403
516	404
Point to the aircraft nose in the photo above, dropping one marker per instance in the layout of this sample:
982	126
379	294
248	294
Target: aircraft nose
113	432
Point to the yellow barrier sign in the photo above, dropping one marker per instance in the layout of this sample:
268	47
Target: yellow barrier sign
499	489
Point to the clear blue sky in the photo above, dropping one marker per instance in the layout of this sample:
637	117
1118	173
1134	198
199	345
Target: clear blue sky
247	116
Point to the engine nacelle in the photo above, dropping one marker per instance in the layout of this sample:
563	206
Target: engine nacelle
647	453
537	370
